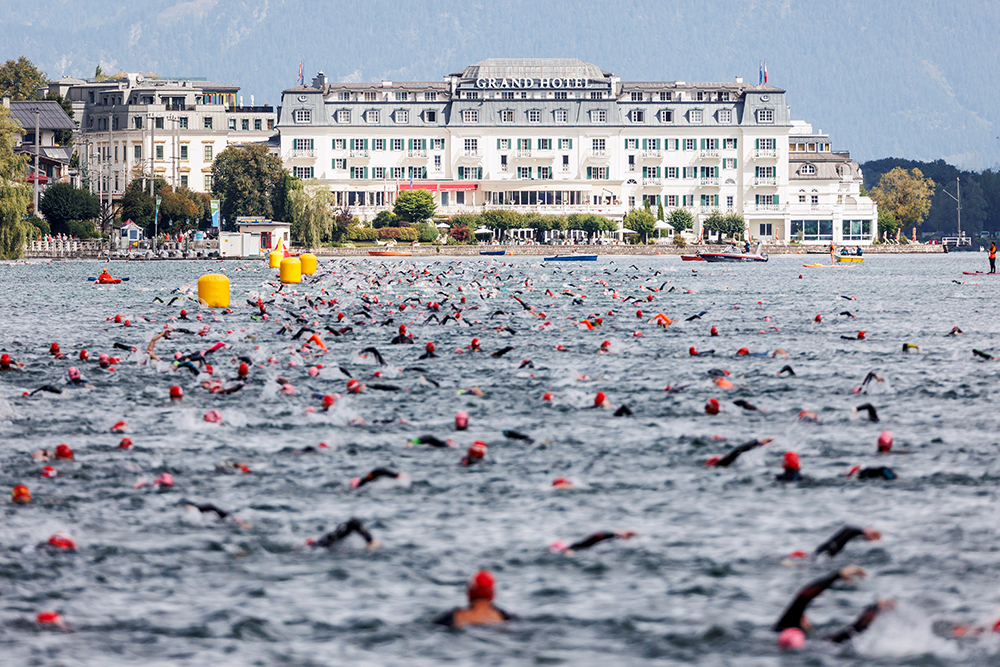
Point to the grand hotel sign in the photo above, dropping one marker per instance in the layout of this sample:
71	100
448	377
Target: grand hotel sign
528	82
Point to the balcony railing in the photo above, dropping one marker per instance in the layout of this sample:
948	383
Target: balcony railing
651	153
652	181
767	207
766	152
301	152
472	152
710	152
362	153
631	167
417	152
598	152
522	152
709	180
765	180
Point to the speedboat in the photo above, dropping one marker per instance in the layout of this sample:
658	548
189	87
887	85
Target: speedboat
572	258
734	254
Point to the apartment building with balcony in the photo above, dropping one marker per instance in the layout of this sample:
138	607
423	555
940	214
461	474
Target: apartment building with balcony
556	136
174	128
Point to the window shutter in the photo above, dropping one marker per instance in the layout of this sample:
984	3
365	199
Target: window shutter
366	173
409	144
366	146
775	200
590	173
529	144
461	173
657	144
423	144
498	144
626	144
312	145
312	172
657	175
756	199
479	173
757	144
571	144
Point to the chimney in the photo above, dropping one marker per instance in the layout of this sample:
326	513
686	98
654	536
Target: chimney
319	81
6	102
739	79
386	84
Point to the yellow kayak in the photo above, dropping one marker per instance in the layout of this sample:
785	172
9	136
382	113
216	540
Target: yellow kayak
819	266
855	260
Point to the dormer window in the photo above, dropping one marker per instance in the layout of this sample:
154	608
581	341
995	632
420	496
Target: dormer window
534	116
807	170
765	115
638	116
302	116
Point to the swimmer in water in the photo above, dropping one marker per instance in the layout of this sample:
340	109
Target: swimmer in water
75	379
481	610
870	409
735	452
432	441
863	387
402	338
377	473
428	352
475	454
342	531
839	539
591	540
792	471
877	472
794	617
151	348
8	364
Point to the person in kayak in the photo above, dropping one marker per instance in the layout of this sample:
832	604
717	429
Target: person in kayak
481	610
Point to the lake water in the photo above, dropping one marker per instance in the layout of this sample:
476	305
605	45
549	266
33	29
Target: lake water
701	584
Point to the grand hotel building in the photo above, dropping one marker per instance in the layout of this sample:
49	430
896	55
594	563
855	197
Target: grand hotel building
563	136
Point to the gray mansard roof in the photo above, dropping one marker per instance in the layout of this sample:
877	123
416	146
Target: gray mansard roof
50	117
508	68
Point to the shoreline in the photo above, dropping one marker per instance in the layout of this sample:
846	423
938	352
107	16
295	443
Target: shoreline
514	251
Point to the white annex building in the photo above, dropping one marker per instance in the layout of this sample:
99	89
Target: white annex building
562	136
133	125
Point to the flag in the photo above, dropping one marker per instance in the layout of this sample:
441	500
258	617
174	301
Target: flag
765	71
215	212
301	80
760	73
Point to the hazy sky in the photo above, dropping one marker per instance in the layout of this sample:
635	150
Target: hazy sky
904	79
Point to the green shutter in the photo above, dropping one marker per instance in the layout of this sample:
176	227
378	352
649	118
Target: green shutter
734	143
571	144
333	144
756	199
366	173
626	144
529	144
423	144
757	144
409	144
590	173
498	144
479	173
657	144
366	144
775	200
312	145
658	172
702	144
461	173
658	202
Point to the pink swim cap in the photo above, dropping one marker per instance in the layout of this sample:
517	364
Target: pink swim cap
313	371
791	639
74	373
885	441
213	416
461	420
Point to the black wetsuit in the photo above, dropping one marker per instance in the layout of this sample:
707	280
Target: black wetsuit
375	474
858	626
833	545
342	531
429	440
789	476
401	340
427	355
734	453
590	541
205	509
448	618
792	618
881	472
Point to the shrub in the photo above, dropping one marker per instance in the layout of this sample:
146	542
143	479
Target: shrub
386	219
398	233
362	234
41	225
427	233
82	229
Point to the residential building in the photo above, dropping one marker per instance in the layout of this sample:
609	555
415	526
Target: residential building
176	127
53	159
553	136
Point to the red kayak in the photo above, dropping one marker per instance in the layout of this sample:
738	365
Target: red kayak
692	258
979	273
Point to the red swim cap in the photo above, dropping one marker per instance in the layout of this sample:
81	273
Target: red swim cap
49	618
692	351
5	359
119	427
477	449
54	348
328	401
430	347
791	461
20	494
63	452
402	328
861	335
714	332
176	393
63	541
481	586
353	386
638	313
126	443
475	342
742	352
244	370
183	313
49	471
118	319
712	406
84	355
818	318
547	396
885	441
600	398
606	344
561	481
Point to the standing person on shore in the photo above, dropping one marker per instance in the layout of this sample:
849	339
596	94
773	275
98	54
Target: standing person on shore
993	257
833	252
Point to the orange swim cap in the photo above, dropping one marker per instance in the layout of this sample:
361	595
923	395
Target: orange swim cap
20	494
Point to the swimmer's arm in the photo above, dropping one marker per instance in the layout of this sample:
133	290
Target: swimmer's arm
866	618
833	545
792	618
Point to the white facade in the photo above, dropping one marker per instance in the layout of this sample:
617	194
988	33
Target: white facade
552	136
130	125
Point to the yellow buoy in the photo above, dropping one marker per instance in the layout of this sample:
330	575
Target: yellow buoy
213	290
308	261
275	259
291	270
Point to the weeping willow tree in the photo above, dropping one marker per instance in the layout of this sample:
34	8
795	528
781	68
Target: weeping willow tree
15	195
313	210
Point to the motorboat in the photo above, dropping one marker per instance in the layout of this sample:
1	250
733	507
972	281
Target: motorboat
734	254
572	258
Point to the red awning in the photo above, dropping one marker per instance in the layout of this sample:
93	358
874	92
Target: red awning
434	187
30	178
